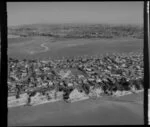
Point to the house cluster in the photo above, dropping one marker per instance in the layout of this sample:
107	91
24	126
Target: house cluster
68	78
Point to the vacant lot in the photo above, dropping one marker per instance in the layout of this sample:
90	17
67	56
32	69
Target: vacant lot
36	47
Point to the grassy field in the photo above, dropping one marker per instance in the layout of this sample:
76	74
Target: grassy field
35	47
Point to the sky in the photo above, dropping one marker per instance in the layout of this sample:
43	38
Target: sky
20	13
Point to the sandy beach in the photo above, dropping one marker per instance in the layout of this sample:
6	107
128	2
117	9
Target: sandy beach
124	110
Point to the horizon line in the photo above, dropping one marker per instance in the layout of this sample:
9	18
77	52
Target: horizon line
78	23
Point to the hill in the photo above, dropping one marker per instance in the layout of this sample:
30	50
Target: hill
78	30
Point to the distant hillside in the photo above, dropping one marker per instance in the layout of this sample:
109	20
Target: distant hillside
78	30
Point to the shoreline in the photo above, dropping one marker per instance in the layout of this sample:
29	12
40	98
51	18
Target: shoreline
120	94
101	111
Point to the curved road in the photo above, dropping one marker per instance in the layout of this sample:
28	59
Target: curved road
43	46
